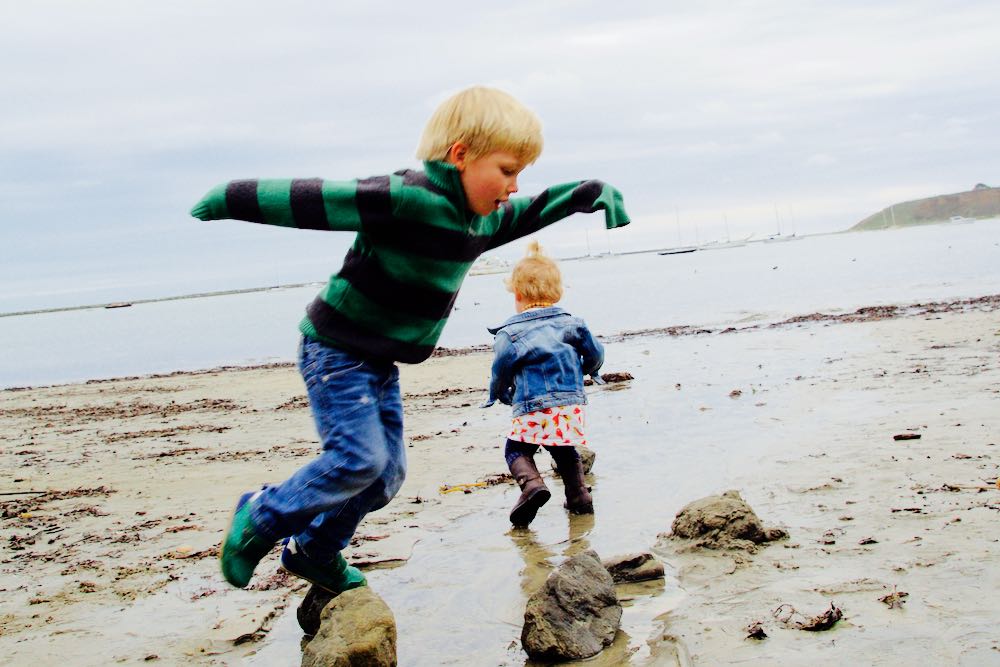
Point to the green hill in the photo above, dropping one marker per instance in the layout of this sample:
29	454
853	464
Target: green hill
980	202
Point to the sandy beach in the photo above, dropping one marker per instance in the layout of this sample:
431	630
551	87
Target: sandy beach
116	493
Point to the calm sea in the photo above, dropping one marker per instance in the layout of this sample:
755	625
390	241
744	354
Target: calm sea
756	282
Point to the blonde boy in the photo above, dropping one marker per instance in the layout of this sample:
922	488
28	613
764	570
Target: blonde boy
417	234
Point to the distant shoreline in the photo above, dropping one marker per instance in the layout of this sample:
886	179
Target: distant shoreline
320	283
134	302
985	303
498	268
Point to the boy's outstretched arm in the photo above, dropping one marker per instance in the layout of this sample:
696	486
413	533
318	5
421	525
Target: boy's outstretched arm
305	203
525	215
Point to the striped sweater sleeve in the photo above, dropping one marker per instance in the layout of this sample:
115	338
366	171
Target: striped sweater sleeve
311	203
525	215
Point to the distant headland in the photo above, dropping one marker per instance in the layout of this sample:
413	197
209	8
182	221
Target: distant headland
981	201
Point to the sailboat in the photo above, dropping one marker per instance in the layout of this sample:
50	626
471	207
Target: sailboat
679	250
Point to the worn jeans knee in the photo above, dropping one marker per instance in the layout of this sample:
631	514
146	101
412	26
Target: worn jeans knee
357	409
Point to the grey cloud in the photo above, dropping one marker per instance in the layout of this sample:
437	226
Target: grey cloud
118	112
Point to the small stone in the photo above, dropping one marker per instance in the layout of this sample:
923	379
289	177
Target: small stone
756	630
634	567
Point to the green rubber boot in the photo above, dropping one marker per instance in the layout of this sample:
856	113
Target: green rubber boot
335	577
243	548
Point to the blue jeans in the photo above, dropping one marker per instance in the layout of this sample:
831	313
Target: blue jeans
359	416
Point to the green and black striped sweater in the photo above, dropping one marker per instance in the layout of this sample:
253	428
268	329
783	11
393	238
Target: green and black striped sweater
416	240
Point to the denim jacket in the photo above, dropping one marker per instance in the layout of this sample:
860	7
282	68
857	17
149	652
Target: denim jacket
540	358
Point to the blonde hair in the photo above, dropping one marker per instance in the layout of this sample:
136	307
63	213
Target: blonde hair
485	120
536	278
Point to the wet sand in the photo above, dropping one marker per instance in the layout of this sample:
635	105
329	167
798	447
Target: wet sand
116	494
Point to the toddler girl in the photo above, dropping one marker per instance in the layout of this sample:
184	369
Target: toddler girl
540	357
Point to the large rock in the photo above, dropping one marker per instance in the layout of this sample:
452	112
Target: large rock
575	614
723	522
356	629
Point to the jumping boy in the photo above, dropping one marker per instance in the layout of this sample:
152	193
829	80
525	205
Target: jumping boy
418	233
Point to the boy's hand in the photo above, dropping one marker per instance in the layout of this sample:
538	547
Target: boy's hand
212	206
610	199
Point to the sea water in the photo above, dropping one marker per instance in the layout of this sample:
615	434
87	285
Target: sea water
714	287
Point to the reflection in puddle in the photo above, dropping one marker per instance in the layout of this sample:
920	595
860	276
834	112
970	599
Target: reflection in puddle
540	558
675	433
462	595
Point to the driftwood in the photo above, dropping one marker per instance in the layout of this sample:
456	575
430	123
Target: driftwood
786	615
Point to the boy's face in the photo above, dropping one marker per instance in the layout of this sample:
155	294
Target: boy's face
488	180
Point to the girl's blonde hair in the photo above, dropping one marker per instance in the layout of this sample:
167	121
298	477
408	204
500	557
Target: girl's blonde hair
536	278
485	120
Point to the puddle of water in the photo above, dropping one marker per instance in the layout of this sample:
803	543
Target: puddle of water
674	434
462	595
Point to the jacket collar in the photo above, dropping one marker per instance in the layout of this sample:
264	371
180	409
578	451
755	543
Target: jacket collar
528	315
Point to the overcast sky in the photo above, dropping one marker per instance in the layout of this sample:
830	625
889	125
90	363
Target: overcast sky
715	119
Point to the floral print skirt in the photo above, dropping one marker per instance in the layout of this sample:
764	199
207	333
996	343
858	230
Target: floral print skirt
561	425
